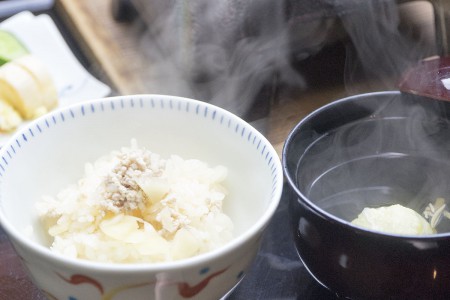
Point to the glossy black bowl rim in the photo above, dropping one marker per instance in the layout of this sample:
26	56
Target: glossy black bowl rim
319	211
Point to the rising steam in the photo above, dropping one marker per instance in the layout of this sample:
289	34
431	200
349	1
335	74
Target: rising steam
387	39
224	52
227	51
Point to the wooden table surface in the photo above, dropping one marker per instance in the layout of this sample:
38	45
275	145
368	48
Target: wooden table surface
114	48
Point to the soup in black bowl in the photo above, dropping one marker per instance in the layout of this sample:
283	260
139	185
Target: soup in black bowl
370	151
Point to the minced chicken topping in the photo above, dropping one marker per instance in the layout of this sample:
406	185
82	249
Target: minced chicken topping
134	206
120	189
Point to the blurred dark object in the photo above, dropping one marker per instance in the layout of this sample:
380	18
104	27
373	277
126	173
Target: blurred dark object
312	24
123	10
442	12
228	51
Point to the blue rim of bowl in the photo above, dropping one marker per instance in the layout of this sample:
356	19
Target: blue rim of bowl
338	221
147	101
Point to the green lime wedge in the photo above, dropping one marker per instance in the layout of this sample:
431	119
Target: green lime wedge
10	47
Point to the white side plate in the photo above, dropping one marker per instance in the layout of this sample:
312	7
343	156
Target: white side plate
43	39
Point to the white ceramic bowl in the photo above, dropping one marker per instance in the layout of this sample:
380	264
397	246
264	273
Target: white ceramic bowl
51	152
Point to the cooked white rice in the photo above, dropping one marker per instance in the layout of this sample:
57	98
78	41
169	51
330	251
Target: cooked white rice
134	206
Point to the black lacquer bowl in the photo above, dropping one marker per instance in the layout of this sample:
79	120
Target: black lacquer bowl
371	150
